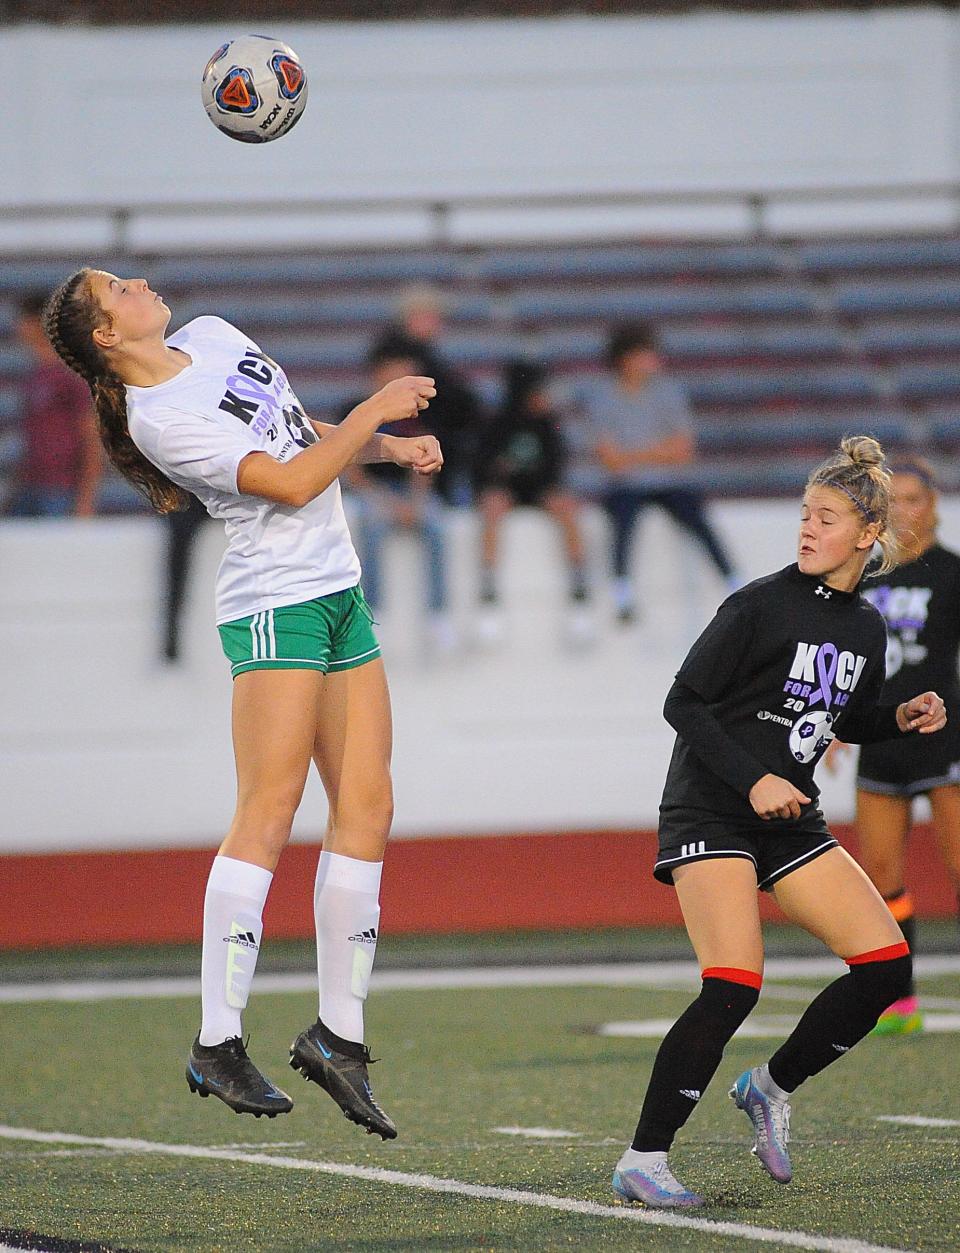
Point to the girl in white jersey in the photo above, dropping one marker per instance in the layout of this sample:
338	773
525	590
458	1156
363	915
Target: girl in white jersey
206	411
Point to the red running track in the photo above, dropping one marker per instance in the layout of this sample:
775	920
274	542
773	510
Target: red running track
465	884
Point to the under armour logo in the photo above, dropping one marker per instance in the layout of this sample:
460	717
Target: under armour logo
822	591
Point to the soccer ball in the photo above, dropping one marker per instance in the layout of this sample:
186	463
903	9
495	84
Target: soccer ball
254	89
810	736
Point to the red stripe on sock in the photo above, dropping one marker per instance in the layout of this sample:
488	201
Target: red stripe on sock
748	978
888	954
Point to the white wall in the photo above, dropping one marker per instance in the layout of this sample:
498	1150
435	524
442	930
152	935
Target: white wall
574	105
101	747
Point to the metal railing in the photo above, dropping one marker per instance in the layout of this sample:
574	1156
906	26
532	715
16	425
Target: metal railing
439	213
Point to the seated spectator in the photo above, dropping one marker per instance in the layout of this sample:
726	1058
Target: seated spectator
454	414
520	460
389	498
60	466
637	428
181	530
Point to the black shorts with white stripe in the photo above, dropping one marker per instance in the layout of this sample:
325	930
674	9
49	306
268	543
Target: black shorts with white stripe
913	766
776	849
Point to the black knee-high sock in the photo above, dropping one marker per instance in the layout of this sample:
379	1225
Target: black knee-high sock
900	904
842	1014
690	1054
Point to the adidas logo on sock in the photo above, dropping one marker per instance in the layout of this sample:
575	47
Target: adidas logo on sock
365	937
246	939
841	1048
692	1093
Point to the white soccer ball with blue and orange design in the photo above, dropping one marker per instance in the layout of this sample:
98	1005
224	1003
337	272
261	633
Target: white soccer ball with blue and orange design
254	89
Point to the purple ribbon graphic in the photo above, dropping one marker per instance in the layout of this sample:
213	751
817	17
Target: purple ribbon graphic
826	673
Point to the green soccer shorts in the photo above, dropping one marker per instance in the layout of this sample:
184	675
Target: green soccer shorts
329	634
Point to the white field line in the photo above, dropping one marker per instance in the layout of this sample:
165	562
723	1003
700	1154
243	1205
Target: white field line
538	1133
654	974
918	1120
434	1183
101	1152
757	1027
950	1003
81	1153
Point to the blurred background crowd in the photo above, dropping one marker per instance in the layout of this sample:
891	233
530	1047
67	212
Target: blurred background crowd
621	436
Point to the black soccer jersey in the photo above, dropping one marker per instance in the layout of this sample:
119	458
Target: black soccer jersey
786	664
920	602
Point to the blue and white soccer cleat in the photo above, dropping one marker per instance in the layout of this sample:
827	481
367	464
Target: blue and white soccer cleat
771	1125
646	1177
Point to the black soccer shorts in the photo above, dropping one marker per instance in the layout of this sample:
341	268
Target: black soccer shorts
911	766
776	848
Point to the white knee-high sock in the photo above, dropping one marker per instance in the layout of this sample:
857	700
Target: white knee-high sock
232	909
347	912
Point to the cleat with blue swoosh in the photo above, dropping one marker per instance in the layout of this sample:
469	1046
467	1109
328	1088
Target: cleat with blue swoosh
340	1067
224	1070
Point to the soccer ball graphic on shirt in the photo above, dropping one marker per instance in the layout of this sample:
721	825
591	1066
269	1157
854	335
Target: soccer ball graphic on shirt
254	89
810	735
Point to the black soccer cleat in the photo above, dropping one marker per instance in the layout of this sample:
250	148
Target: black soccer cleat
225	1070
340	1068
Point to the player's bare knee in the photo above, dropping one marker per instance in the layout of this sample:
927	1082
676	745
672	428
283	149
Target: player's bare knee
268	817
379	805
367	813
274	837
360	831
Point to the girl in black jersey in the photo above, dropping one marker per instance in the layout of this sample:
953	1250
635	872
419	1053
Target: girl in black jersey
920	602
788	662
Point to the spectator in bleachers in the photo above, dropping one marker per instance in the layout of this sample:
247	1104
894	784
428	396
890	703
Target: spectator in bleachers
520	461
181	530
455	411
60	467
636	427
389	498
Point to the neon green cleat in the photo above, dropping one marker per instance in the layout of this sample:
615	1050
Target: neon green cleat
903	1017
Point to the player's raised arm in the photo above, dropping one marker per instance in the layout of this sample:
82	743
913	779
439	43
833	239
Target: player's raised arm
421	453
305	477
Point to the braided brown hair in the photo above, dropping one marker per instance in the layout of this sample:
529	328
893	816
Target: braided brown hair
69	318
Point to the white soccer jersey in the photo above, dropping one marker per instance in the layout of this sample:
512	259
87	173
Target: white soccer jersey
230	401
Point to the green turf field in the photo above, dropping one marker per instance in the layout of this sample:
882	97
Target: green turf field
458	1063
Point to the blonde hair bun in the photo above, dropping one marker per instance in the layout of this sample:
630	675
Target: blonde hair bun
863	450
859	470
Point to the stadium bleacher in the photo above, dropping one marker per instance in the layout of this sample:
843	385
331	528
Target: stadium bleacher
784	346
